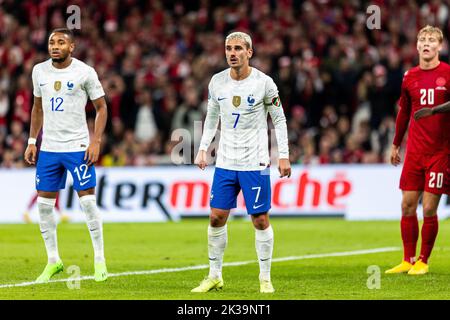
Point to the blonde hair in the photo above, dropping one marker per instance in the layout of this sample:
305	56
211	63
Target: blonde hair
241	36
430	29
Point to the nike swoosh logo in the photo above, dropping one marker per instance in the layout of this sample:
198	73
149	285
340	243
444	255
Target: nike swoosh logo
256	207
212	259
83	183
42	84
220	99
264	259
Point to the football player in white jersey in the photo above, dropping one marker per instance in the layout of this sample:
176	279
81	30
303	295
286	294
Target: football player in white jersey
61	87
241	96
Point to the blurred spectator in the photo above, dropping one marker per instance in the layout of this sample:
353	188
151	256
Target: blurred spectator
17	135
146	128
353	152
190	112
4	108
116	158
22	101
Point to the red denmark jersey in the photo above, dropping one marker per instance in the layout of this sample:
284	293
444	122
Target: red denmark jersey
424	88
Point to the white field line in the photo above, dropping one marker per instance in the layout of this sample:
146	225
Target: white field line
206	266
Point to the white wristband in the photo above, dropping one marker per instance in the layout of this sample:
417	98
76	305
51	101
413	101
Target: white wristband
31	141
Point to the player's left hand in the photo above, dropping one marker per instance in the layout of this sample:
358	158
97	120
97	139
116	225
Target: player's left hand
424	112
284	167
92	153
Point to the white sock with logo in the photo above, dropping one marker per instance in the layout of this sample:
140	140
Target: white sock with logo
217	242
94	222
47	225
264	249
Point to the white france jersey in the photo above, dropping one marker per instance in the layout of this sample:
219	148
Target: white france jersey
64	94
243	107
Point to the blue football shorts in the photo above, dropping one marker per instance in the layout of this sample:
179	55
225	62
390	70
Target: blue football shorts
52	167
255	186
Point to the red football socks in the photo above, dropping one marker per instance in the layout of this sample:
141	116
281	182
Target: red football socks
429	232
410	233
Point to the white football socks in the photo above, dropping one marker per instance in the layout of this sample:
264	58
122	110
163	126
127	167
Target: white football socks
264	249
94	222
217	242
47	225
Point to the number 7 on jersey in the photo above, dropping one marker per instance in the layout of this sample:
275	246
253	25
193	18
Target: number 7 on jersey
237	118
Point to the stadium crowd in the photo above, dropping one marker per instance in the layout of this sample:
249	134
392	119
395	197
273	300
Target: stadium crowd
339	81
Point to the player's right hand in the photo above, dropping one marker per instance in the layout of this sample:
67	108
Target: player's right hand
395	155
201	160
284	167
424	112
30	154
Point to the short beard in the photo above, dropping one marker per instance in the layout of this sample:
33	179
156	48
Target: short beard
59	60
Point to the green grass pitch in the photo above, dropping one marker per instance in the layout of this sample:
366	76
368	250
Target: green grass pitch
152	246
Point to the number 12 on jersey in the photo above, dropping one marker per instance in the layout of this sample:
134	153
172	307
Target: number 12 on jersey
237	118
56	104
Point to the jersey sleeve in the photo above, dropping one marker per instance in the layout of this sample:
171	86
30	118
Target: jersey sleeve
404	113
36	88
212	119
271	91
93	86
273	103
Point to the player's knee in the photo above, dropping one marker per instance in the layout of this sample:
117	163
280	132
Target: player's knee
217	220
86	192
47	194
409	208
260	221
429	210
218	217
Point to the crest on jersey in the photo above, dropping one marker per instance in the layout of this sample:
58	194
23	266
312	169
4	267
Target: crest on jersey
440	82
236	101
250	100
57	85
